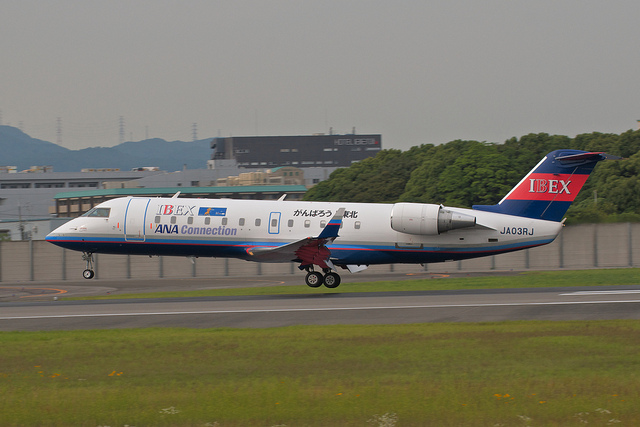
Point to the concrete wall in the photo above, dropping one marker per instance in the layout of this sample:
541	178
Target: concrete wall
577	247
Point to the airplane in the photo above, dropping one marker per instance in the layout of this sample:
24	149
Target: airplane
332	235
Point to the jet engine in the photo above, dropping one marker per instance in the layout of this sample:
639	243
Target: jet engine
428	219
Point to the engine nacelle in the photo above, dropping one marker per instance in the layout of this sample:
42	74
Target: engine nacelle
427	219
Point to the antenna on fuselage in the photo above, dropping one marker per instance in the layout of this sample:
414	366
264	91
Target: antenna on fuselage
175	196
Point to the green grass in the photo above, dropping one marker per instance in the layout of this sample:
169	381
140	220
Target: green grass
534	279
490	374
486	374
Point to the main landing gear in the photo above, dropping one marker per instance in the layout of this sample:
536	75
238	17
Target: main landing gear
88	273
315	279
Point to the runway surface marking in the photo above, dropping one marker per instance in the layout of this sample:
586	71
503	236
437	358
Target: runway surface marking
26	289
433	275
291	310
621	292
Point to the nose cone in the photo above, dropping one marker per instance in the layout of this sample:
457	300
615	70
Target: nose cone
53	236
62	234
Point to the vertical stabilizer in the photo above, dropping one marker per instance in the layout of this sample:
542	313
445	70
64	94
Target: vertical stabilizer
551	186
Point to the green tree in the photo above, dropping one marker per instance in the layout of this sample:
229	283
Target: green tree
590	211
596	141
378	179
480	175
629	144
526	152
425	185
464	173
618	182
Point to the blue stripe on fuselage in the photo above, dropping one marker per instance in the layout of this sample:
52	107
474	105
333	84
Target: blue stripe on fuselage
341	254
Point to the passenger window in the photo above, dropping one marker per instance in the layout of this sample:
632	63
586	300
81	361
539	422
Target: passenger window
290	224
241	222
173	220
258	222
357	225
224	221
207	221
158	219
274	222
190	220
323	223
307	223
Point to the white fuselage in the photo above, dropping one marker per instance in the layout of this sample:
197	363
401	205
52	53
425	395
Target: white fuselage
232	228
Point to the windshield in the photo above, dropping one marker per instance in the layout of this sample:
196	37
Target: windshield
98	212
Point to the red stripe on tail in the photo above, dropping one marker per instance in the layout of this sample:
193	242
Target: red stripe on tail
549	186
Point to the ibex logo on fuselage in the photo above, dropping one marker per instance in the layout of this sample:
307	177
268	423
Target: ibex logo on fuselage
175	210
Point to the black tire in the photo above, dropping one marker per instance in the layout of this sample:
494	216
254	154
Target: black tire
332	280
88	274
314	279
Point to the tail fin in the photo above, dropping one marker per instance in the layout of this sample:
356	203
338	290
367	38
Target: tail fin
550	188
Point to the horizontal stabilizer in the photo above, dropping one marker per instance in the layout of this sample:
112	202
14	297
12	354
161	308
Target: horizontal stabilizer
591	156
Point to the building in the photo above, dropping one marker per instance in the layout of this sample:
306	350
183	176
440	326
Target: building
74	203
304	151
29	196
259	167
285	175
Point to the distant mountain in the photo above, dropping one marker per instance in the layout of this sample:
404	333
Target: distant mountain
19	149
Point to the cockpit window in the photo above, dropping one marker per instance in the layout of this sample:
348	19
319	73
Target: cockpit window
98	212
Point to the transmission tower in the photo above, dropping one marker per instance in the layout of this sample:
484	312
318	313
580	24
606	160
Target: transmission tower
194	132
59	131
121	122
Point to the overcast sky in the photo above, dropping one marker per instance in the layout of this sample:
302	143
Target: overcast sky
415	71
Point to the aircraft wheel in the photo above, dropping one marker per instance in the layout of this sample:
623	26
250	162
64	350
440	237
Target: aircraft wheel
88	274
332	280
314	279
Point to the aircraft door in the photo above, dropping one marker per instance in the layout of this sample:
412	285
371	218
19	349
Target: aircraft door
274	223
134	220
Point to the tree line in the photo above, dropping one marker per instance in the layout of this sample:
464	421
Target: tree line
465	173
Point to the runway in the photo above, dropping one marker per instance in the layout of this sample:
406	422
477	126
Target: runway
323	307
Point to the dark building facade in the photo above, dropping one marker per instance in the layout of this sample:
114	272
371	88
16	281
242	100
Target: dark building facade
299	151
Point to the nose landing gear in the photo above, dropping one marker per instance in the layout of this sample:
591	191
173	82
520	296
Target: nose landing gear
88	273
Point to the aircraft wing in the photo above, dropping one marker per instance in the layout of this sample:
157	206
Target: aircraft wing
308	251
